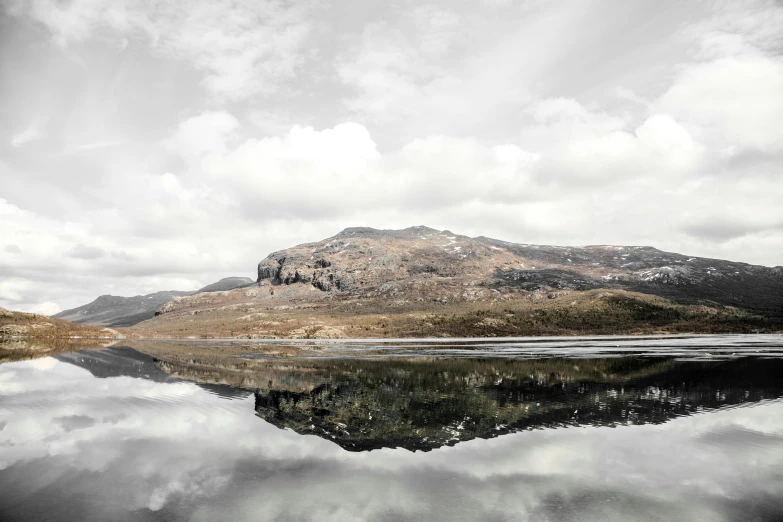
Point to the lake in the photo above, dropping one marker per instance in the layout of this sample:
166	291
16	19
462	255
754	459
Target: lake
549	429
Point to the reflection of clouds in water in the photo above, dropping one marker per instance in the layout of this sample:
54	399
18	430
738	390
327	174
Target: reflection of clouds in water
436	494
74	422
136	444
43	364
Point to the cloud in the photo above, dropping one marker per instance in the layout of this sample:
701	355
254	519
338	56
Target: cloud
81	251
388	72
206	132
45	308
74	422
568	111
242	49
730	26
339	171
28	135
95	145
734	100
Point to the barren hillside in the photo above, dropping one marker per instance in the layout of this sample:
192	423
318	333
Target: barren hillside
420	281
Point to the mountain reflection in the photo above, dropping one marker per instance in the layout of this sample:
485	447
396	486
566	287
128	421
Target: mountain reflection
422	405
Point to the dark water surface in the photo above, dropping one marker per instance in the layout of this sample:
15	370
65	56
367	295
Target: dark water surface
599	430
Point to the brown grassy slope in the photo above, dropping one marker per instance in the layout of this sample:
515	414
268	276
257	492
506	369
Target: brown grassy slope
252	313
30	336
35	326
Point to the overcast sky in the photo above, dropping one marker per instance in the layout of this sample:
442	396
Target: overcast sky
155	145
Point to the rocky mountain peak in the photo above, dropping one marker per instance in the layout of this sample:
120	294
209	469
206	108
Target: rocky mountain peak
358	231
374	232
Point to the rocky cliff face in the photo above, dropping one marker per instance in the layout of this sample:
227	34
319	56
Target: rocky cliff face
360	259
369	262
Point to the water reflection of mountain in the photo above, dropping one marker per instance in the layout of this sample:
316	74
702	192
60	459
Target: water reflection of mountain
116	361
422	404
363	405
123	361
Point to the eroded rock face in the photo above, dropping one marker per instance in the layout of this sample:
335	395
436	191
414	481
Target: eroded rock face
13	330
365	259
292	269
168	307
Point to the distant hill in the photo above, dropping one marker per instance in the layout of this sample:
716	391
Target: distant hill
365	282
124	361
227	283
110	310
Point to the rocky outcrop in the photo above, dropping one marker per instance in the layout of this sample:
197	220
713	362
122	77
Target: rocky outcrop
14	330
168	307
317	332
363	259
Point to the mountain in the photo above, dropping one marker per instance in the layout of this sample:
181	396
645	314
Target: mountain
365	282
110	310
364	260
117	361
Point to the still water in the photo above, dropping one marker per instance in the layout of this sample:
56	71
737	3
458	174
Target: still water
599	429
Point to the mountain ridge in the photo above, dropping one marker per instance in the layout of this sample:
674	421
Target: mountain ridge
118	311
418	281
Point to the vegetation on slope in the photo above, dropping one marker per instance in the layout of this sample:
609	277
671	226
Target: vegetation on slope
561	313
29	336
36	326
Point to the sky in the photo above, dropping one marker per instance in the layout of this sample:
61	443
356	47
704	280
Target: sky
153	145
